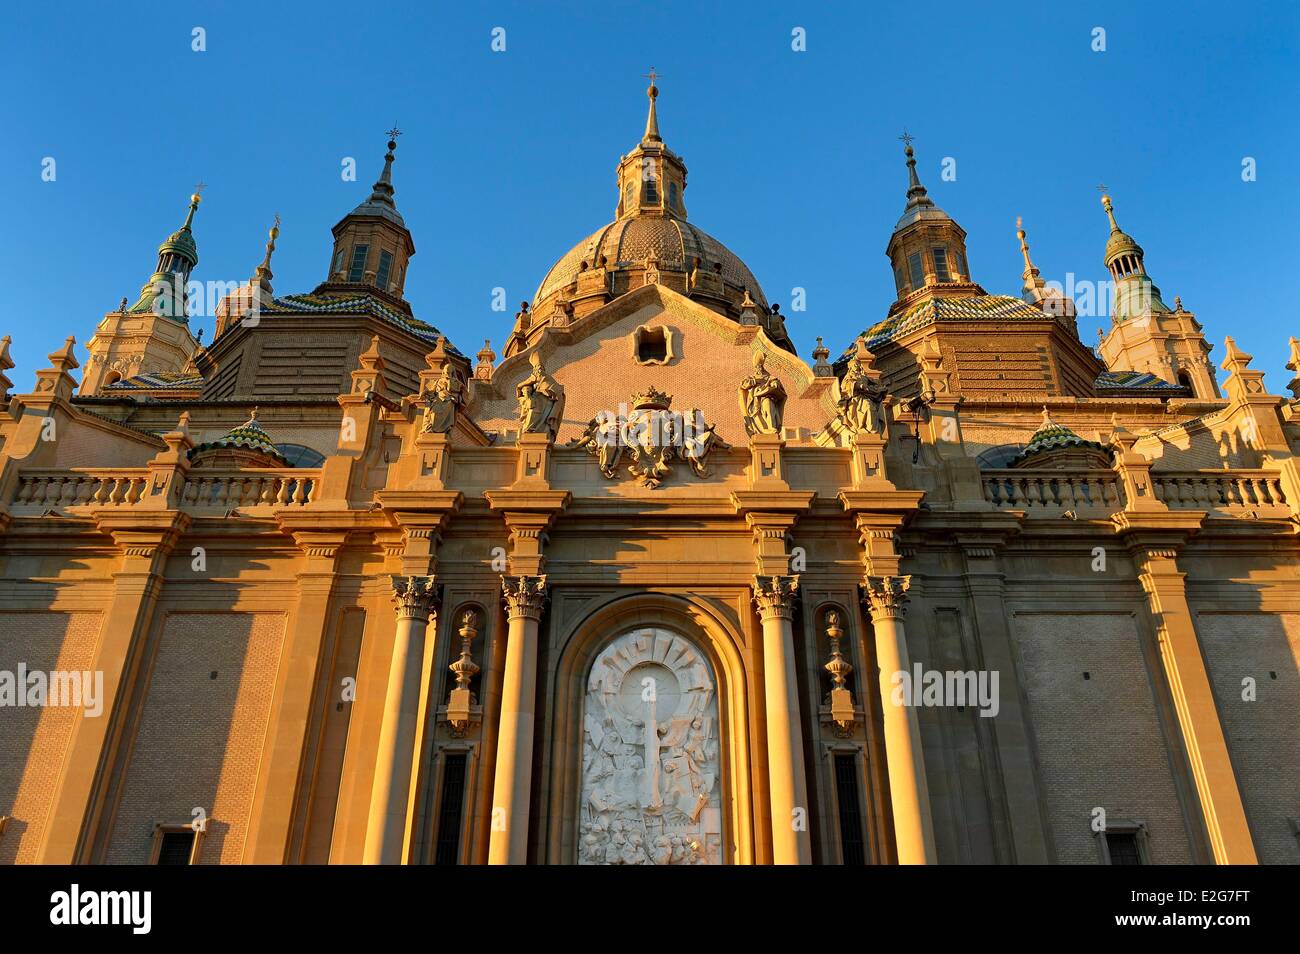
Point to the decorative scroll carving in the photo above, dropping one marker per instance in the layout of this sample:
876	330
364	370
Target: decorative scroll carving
886	596
762	400
776	595
650	768
523	595
651	436
416	596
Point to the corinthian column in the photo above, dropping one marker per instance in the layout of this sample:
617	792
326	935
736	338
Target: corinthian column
524	597
886	597
775	598
416	599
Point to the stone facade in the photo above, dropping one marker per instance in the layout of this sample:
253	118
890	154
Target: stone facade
644	590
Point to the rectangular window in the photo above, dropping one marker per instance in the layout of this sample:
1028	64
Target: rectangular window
338	261
915	267
358	268
176	847
941	263
451	810
961	265
852	846
1123	848
385	268
899	280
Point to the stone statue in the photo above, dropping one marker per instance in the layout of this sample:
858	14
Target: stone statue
541	401
699	439
601	438
440	404
862	400
762	400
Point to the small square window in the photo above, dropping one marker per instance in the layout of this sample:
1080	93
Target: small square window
175	845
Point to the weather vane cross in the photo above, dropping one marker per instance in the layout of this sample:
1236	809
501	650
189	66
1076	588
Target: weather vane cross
394	132
198	189
652	76
1102	188
905	139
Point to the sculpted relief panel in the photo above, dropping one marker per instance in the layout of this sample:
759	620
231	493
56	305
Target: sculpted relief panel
650	766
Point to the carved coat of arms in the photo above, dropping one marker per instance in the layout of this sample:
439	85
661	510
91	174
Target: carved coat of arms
651	436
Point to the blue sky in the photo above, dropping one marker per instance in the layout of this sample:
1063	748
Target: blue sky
508	158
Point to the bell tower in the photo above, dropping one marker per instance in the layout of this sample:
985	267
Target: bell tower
1145	334
153	335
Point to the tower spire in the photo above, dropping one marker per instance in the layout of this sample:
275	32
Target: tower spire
652	119
383	188
262	275
1030	270
916	194
164	292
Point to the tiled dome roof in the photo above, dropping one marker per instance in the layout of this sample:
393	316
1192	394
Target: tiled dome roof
629	241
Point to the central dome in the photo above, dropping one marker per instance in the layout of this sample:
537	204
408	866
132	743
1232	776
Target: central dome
628	242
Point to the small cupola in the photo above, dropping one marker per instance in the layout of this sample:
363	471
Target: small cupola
372	245
164	292
651	178
1135	293
927	249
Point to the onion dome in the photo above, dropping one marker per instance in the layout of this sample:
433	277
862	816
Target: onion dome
178	255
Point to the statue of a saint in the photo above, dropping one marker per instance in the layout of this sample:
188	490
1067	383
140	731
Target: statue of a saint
440	403
762	400
541	401
862	400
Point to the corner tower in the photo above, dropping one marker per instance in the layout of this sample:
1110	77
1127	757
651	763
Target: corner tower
1145	334
152	335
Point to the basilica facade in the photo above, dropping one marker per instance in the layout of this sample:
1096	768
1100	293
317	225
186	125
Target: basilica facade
650	587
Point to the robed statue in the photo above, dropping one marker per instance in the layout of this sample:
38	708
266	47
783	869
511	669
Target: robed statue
541	401
862	401
762	400
440	404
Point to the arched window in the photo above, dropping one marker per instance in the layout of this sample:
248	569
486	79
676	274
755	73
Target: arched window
1185	380
299	455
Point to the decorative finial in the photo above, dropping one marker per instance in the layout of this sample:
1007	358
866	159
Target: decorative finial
916	194
1024	247
1178	303
652	120
195	199
1109	207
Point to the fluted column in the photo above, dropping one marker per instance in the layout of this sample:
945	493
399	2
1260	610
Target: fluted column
524	597
788	786
886	597
416	599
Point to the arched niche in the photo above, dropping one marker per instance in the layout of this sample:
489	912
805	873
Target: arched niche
611	634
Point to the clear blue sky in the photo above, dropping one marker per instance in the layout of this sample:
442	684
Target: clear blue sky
508	158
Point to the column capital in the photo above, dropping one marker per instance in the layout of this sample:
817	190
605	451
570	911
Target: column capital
416	597
523	596
775	596
886	596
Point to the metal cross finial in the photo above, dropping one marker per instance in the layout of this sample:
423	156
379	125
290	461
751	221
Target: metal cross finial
200	187
1103	188
905	139
394	132
651	76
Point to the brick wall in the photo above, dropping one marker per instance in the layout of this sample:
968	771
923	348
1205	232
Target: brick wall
1098	740
200	739
33	742
1264	734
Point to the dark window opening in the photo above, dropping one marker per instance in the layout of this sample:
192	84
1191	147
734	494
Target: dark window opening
1123	848
852	846
914	266
449	812
177	847
672	194
941	263
385	268
651	192
358	267
652	345
1185	380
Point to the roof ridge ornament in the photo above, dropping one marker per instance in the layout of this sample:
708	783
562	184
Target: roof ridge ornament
916	194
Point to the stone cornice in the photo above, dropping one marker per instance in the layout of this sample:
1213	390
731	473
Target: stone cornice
780	501
1168	529
528	501
881	501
